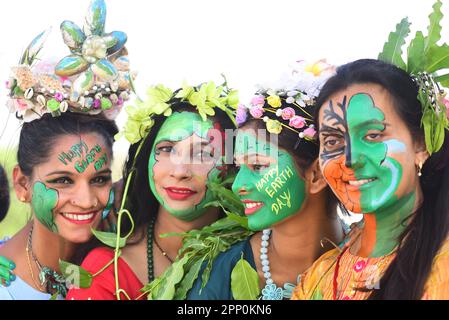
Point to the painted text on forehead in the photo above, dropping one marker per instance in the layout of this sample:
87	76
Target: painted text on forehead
80	156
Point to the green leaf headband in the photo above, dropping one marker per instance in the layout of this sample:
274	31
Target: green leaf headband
160	99
94	78
425	58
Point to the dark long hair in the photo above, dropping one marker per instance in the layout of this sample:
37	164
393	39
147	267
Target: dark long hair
140	200
428	226
37	138
4	194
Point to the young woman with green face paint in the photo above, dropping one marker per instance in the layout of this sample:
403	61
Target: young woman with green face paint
66	204
375	160
168	194
282	189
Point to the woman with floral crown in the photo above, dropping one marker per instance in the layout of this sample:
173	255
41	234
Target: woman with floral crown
384	151
64	154
176	155
287	202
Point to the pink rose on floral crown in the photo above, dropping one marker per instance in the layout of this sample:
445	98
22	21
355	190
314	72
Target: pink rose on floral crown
310	132
297	122
22	105
288	113
258	101
256	112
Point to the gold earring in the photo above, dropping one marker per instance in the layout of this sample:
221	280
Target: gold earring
420	169
22	199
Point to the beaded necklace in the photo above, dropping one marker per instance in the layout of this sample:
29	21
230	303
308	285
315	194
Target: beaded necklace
271	291
150	262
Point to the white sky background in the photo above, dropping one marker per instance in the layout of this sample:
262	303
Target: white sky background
249	40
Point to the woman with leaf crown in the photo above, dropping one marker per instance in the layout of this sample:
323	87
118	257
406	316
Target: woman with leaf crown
384	151
173	185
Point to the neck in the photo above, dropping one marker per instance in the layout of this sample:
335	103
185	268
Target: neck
382	229
303	238
167	223
49	247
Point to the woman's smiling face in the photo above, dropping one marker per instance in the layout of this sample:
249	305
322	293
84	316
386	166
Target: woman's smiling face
72	187
367	153
185	155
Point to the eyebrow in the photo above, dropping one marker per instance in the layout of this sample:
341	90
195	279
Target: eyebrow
328	129
109	171
372	121
60	172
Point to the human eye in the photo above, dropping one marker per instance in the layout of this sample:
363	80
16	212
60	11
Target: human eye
101	180
61	181
373	136
333	142
164	149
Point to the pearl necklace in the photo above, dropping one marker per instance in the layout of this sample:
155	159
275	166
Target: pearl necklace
271	291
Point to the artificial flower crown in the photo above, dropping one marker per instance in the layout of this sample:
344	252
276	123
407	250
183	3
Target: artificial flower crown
204	98
94	78
425	59
298	90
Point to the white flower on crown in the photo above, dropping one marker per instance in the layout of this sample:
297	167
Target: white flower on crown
304	77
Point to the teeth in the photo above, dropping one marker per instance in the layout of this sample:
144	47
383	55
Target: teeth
179	191
78	217
358	183
252	205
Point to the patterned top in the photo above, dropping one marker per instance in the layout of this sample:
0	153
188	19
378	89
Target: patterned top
364	273
20	290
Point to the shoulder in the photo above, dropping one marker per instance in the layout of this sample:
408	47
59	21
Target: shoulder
97	258
218	286
315	276
437	286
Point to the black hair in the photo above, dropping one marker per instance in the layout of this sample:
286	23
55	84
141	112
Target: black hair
37	137
140	200
4	194
428	226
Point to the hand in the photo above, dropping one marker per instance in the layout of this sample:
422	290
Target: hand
6	271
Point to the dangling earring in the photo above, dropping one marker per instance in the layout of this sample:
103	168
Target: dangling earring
420	169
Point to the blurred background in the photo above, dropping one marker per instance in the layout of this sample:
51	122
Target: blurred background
174	40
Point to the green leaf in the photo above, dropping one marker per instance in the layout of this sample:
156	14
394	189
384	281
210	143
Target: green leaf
437	58
187	283
79	276
174	275
415	54
108	238
244	281
443	80
434	28
392	50
427	123
54	296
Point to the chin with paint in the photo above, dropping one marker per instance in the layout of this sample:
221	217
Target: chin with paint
374	156
64	174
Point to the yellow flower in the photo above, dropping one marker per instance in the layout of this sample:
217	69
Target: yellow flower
274	126
274	101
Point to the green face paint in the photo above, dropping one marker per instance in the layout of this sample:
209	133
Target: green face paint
177	127
362	159
275	193
43	202
109	205
80	149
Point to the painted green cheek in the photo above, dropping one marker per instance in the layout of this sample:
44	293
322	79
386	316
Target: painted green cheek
279	187
369	159
43	202
177	127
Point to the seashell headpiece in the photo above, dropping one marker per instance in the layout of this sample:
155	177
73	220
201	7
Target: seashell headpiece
94	78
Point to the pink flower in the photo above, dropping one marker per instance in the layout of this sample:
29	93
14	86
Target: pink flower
297	122
359	266
258	101
310	132
22	105
256	112
59	96
288	113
